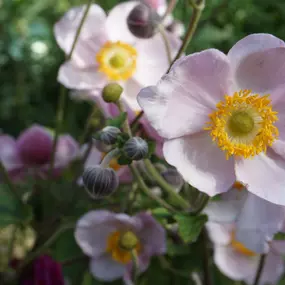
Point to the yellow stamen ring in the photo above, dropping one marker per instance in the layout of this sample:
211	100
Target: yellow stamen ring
117	60
118	253
243	124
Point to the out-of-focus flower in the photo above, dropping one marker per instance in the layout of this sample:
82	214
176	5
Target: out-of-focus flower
256	220
45	271
238	262
31	152
223	117
110	52
108	238
24	241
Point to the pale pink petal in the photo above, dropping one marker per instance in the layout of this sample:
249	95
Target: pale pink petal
152	235
73	77
201	163
181	101
272	270
65	30
9	154
220	234
235	265
152	61
117	27
106	269
262	71
252	44
257	223
131	90
35	145
264	176
156	4
278	246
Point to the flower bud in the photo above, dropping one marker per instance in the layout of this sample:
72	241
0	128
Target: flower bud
142	21
128	241
172	177
177	28
109	135
111	93
100	182
136	148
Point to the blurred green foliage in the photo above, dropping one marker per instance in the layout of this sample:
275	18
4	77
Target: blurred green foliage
29	56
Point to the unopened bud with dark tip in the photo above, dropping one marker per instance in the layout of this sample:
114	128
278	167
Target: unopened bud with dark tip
177	28
142	21
172	177
111	93
109	135
100	182
136	148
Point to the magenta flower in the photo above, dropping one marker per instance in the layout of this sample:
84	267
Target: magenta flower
110	52
223	117
44	271
108	237
31	152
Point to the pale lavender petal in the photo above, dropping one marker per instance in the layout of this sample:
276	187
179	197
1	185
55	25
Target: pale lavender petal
106	269
262	72
131	90
94	157
182	101
201	163
257	223
252	44
9	154
66	151
272	271
117	27
74	77
264	176
65	31
152	61
220	234
278	246
35	145
155	4
152	235
235	265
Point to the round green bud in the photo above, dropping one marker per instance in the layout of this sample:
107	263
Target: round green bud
112	92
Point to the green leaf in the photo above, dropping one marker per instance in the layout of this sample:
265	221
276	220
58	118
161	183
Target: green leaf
189	227
117	121
11	210
177	249
123	160
279	236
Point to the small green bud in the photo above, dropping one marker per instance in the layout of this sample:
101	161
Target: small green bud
112	92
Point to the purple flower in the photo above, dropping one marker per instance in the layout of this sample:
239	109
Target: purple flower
104	236
33	150
44	271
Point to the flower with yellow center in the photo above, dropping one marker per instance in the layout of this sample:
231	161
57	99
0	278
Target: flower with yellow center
243	124
120	245
117	60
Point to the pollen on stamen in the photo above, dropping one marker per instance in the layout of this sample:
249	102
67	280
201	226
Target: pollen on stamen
251	131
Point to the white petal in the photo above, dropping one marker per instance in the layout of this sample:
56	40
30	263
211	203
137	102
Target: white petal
264	176
152	61
220	233
257	223
73	77
131	90
107	269
233	264
117	27
201	163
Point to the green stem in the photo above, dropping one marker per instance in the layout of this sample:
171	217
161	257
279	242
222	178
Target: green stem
8	181
197	11
63	92
126	126
47	244
206	260
147	191
166	43
135	266
165	186
259	269
88	125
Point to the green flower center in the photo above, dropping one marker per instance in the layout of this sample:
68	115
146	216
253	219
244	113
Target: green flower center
241	123
117	61
128	241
